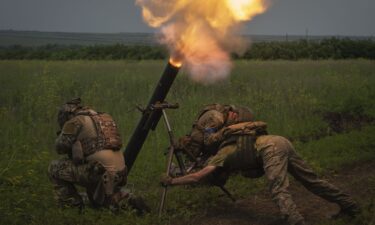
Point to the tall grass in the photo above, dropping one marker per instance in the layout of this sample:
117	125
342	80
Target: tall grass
289	96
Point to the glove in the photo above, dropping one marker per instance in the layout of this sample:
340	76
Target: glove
165	180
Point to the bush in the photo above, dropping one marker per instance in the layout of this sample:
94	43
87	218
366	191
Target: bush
332	48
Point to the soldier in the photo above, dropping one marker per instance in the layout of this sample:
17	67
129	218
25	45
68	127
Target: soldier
246	147
92	144
200	143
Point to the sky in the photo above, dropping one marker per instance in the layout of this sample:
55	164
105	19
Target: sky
292	17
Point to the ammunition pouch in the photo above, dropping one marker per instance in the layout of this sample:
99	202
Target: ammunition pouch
109	184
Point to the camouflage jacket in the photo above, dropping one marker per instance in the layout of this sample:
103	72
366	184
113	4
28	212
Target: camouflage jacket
200	139
78	127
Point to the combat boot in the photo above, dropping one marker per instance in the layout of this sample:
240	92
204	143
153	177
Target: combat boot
73	202
351	212
138	204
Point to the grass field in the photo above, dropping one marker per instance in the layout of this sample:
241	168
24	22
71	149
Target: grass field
326	107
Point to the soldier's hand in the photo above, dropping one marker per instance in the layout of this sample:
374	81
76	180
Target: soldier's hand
165	180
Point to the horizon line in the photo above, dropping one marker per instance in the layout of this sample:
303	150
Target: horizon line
152	33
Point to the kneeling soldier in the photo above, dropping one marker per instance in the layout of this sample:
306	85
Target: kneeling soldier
92	144
247	148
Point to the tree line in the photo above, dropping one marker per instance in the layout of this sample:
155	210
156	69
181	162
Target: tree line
332	48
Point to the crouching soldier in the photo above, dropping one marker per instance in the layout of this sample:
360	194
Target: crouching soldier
94	161
200	144
246	147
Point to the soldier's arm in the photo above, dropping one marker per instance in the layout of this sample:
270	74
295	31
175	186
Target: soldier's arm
193	177
67	137
212	126
245	128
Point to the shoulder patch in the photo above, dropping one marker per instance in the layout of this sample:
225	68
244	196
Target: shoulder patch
71	127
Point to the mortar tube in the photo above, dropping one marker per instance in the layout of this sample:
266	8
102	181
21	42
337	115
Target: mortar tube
149	120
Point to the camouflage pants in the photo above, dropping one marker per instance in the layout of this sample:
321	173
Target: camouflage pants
64	175
279	158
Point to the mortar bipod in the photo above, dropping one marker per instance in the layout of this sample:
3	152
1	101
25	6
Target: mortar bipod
162	106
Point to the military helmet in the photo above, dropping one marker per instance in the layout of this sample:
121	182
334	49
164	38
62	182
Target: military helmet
244	114
67	110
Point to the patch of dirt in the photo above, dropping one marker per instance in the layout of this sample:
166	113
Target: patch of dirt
338	122
341	122
358	180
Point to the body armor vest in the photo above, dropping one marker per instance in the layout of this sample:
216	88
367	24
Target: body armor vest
246	157
108	136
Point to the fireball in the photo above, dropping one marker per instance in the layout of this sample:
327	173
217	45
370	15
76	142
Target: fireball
201	35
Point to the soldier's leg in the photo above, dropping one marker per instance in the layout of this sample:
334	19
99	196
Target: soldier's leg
64	174
275	164
59	173
302	172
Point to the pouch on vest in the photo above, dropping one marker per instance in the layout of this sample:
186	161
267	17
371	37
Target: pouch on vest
108	185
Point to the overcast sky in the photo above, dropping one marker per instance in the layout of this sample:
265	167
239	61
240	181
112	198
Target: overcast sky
319	17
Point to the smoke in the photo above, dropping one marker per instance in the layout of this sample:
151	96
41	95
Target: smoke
202	34
204	59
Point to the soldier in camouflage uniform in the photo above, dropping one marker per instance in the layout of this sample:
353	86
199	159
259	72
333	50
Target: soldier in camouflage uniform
199	142
91	143
247	148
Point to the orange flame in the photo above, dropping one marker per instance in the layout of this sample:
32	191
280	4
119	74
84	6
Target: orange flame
202	34
175	62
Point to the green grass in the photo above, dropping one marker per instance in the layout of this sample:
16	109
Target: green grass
289	96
